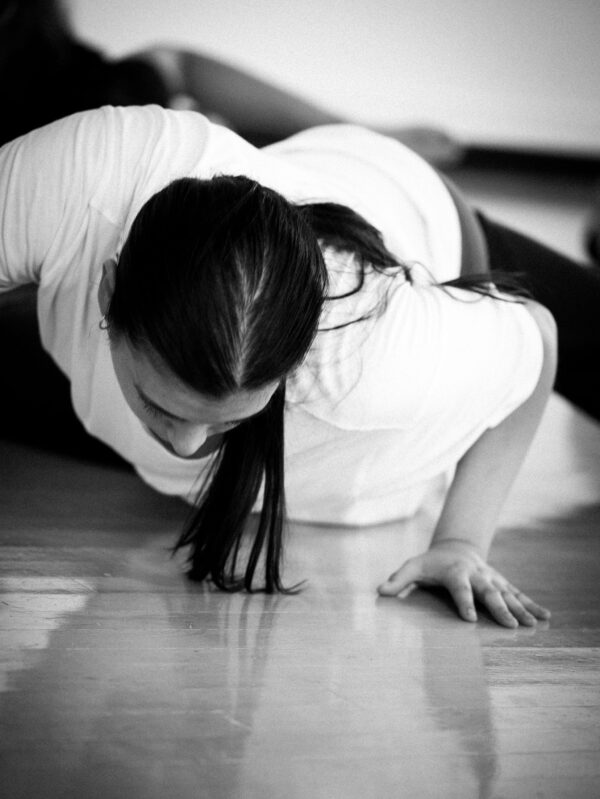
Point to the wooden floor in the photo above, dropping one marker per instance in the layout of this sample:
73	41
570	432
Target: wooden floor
118	678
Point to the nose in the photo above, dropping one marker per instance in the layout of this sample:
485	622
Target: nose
186	439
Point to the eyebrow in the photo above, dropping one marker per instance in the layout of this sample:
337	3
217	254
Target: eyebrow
170	415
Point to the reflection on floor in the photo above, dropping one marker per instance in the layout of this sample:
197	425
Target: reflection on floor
120	679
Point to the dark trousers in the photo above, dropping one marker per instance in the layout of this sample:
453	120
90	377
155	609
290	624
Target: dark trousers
571	292
35	396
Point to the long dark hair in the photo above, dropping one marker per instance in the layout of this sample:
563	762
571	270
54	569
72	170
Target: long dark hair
225	280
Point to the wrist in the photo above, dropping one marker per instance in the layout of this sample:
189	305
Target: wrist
454	541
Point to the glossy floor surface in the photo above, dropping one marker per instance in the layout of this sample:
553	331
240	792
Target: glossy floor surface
119	678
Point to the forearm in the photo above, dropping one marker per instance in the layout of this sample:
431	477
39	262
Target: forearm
486	472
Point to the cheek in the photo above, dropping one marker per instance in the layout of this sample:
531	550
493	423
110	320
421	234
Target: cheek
149	419
133	401
130	394
123	379
156	422
217	429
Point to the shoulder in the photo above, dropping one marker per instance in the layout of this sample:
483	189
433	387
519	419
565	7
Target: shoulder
339	137
365	149
427	354
90	147
107	160
114	158
110	131
389	185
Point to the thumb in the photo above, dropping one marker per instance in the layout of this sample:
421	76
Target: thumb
402	582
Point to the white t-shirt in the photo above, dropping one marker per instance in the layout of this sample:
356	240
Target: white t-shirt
380	409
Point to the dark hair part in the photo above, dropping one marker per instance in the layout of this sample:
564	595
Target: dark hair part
225	280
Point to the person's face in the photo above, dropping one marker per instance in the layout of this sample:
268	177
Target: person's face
186	423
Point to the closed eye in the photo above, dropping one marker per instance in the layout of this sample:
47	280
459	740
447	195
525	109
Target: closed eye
160	413
151	409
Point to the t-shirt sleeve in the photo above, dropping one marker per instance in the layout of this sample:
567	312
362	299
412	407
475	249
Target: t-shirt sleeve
46	178
110	158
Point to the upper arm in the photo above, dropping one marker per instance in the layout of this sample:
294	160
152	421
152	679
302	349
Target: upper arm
549	333
109	160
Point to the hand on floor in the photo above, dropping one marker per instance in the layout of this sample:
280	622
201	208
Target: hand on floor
457	566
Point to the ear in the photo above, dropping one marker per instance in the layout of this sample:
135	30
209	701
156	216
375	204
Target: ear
107	285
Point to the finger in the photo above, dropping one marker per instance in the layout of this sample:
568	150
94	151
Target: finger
462	594
494	601
536	610
402	582
518	610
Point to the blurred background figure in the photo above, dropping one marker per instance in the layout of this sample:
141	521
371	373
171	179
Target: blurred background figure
592	230
475	81
47	73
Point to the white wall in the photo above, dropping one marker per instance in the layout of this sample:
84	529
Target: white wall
507	72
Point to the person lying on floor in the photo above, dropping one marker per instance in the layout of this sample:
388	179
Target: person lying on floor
302	327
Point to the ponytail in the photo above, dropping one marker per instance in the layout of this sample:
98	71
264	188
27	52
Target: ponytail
251	455
340	228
